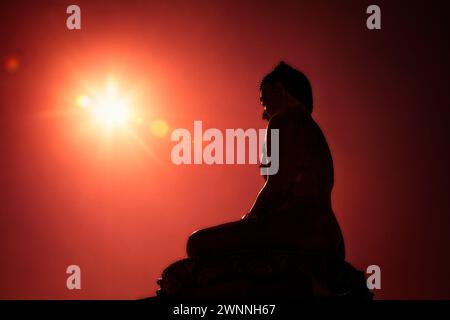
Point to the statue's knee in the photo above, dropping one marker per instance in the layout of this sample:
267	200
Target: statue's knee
193	243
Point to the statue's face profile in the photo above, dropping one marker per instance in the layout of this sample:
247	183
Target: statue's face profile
271	98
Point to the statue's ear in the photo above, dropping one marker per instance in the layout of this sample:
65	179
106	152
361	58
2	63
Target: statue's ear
303	107
279	85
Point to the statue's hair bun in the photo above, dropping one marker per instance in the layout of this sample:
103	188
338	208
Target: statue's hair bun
283	66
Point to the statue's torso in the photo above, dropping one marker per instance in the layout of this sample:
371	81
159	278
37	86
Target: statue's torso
311	175
308	198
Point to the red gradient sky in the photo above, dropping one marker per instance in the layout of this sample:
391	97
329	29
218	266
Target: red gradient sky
123	212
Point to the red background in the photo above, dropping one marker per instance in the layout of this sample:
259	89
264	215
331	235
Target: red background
68	196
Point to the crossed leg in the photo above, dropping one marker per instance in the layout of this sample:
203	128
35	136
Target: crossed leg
262	234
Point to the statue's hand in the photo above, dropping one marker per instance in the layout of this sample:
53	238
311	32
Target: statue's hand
249	215
245	216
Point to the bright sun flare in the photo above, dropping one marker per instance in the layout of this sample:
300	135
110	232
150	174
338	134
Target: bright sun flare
111	108
108	108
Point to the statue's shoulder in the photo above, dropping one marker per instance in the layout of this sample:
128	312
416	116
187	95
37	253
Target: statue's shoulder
281	120
288	119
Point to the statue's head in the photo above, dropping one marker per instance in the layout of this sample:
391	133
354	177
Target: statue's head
285	87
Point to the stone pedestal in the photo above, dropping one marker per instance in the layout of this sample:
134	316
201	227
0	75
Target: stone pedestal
265	274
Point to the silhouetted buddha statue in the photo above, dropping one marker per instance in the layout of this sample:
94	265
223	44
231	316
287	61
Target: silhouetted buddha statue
293	209
291	224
